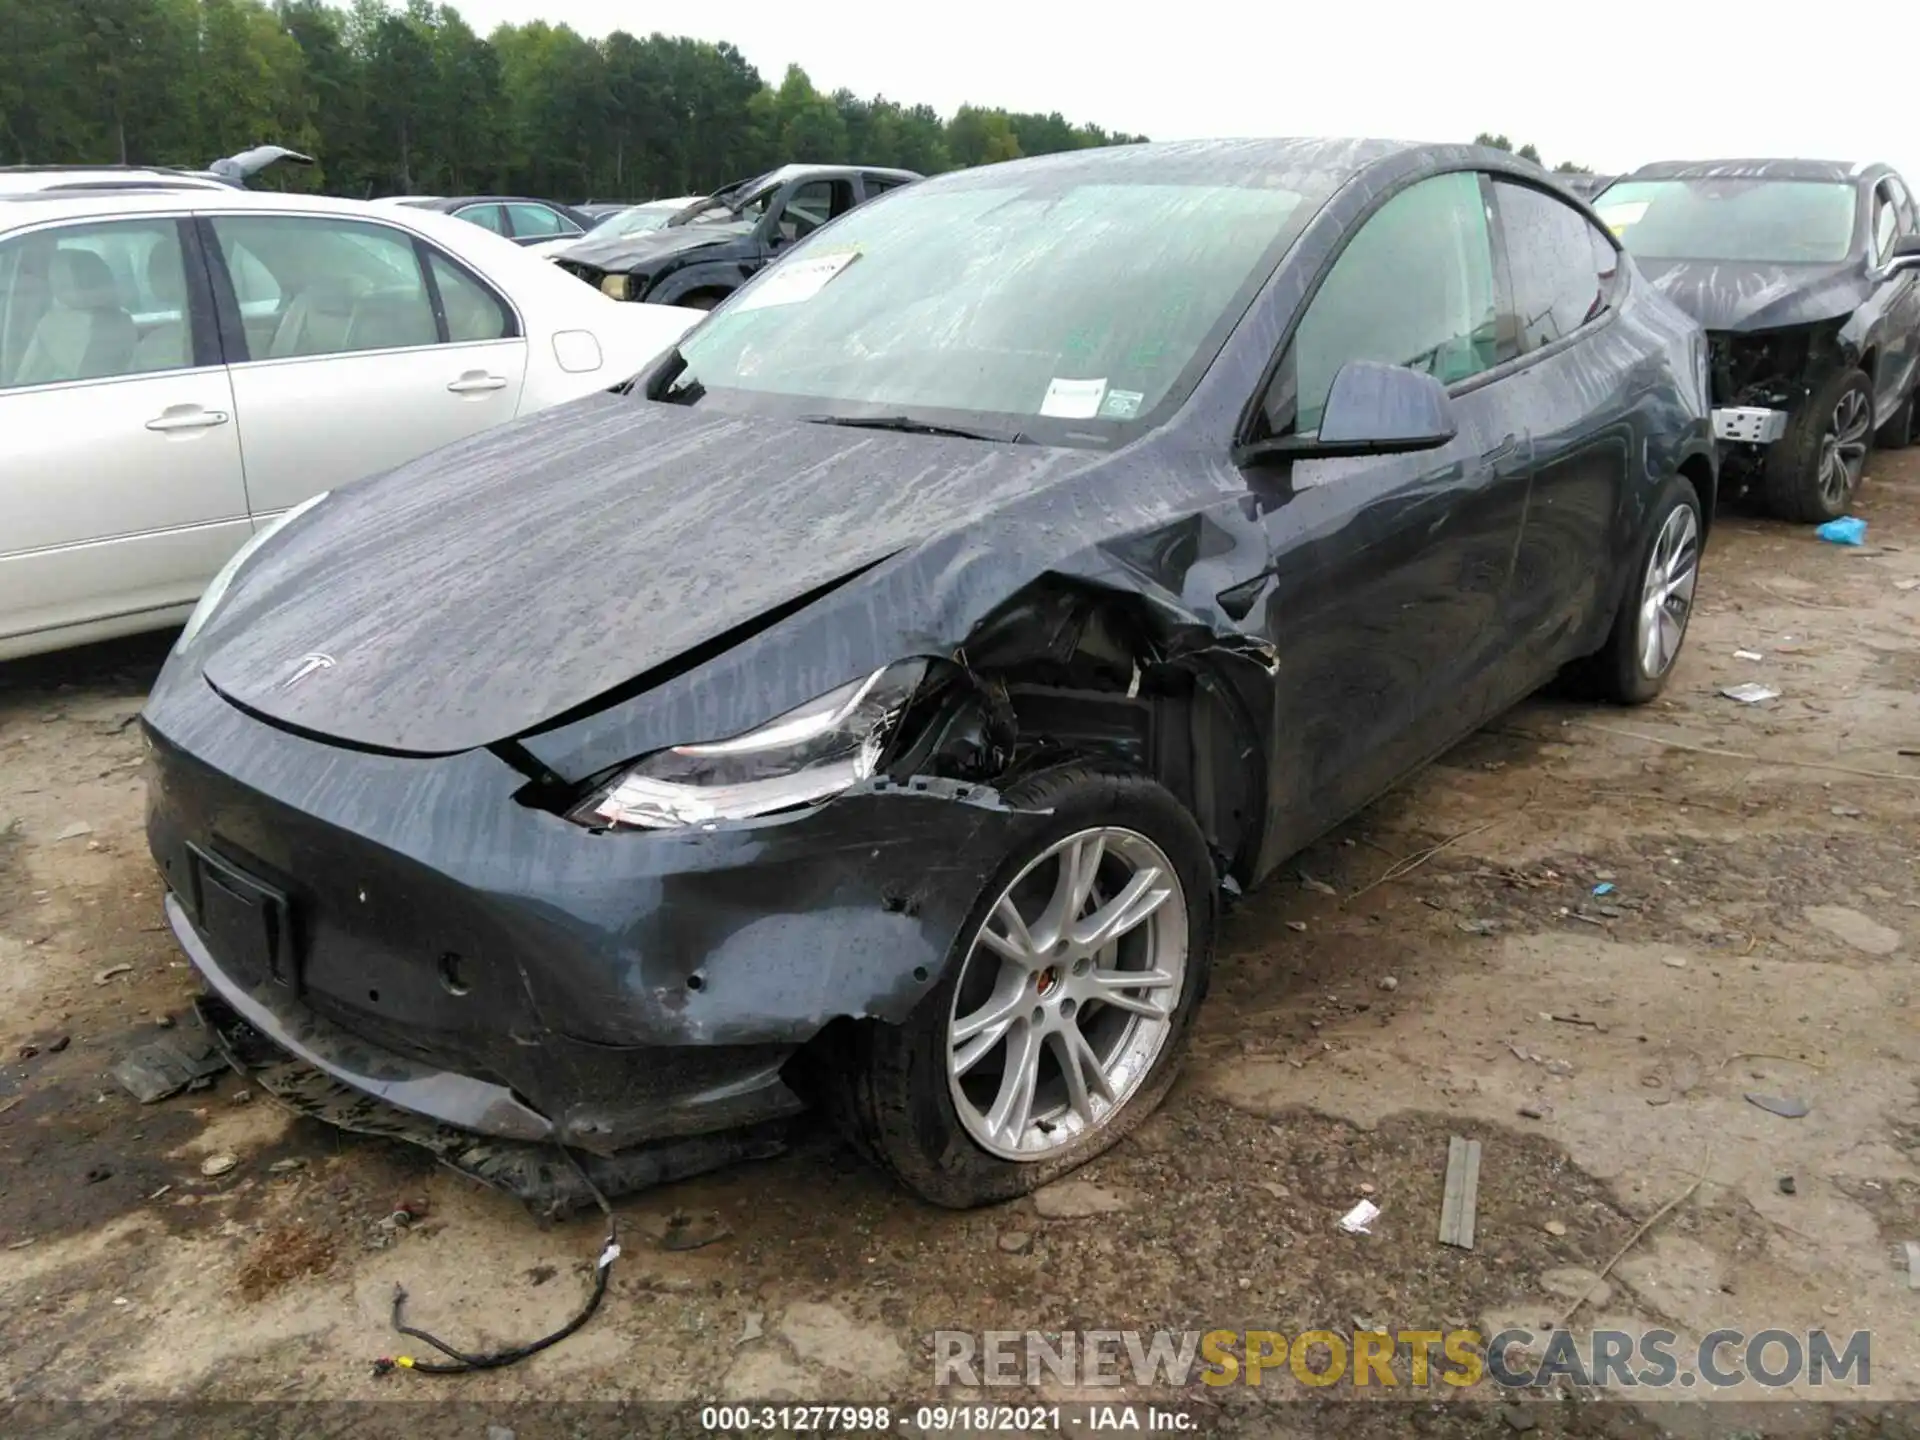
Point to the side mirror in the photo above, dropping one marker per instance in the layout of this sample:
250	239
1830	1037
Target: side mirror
1906	255
1372	409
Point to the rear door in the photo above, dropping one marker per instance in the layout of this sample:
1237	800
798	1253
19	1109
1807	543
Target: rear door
363	346
121	492
1897	365
1587	395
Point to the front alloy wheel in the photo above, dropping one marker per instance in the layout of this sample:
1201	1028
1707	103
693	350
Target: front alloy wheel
1066	1004
1066	996
1843	448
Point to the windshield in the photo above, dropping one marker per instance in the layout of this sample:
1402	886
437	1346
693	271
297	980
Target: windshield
1738	221
636	221
1023	305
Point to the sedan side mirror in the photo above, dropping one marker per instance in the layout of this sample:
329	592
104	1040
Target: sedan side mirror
1906	255
1371	409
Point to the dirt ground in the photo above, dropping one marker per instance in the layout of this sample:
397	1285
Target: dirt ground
1760	936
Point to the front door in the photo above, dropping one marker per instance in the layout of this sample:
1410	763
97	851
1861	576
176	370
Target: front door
121	493
1389	573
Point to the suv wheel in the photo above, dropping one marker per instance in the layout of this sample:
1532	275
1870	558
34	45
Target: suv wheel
1813	469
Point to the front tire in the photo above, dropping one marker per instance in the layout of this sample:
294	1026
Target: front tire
1066	1007
1813	470
1651	625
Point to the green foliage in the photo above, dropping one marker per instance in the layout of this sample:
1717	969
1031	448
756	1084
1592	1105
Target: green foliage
1526	152
405	97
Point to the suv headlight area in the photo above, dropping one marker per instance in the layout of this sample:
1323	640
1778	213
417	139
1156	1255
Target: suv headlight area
807	755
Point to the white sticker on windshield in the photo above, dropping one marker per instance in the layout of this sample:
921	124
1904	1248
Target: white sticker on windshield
1622	213
796	280
1073	399
1121	405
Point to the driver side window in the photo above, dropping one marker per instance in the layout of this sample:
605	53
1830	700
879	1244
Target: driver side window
1414	287
1886	224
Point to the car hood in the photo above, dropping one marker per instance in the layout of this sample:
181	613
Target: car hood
1728	297
627	252
503	581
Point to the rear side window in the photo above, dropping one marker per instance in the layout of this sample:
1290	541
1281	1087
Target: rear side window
342	285
88	302
1553	261
1886	223
474	312
487	217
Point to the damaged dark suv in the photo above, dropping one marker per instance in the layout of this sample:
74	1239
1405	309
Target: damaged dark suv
715	245
1806	275
873	705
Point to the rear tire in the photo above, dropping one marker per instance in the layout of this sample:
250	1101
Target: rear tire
1897	433
898	1091
704	300
1813	470
1633	666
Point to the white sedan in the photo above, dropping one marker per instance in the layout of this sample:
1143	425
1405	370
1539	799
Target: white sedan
178	366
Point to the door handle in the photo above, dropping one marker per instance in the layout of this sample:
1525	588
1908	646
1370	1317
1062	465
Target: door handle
476	382
186	417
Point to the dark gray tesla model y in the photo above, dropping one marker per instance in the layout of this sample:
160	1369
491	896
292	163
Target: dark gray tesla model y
871	704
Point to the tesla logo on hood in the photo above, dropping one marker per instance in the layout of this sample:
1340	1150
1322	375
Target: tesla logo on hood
313	660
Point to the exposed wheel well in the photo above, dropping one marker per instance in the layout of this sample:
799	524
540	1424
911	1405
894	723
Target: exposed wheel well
1065	673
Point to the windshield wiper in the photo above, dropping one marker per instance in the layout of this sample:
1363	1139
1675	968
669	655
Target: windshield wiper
908	425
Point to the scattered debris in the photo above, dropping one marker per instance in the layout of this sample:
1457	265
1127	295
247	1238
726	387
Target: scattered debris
1847	530
107	974
1479	927
75	831
1016	1242
1906	584
694	1232
1848	812
1357	1220
168	1066
753	1327
1297	925
1462	1193
58	1043
1319	887
1365	1188
1578	1020
1389	982
284	1254
1751	693
99	1173
283	1167
1605	887
1748	655
1518	1418
161	1191
1075	1200
1787	1187
8	1104
1913	1264
1786	1107
22	1244
217	1165
1536	1112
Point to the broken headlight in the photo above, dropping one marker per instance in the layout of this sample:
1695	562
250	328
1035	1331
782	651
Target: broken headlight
804	756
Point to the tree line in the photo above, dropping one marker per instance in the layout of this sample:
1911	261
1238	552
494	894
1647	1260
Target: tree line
410	99
1527	152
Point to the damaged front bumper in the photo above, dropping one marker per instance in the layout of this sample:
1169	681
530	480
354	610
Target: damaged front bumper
1748	424
411	930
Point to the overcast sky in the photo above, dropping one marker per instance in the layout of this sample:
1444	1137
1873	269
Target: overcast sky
1607	85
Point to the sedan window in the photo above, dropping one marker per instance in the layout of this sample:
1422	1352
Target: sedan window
474	313
1551	254
487	217
344	285
1886	225
539	220
1414	287
86	302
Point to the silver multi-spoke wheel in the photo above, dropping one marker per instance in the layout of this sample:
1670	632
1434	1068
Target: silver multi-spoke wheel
1666	594
1843	448
1067	994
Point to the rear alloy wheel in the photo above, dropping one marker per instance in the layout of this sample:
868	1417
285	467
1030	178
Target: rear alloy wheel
1651	623
1063	1014
1813	470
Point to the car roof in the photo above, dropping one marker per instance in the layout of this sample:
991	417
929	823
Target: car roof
1759	169
34	179
33	207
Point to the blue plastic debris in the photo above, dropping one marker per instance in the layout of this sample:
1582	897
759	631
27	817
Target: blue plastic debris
1604	888
1847	530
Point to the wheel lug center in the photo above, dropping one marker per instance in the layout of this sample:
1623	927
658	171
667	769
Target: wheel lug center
1047	981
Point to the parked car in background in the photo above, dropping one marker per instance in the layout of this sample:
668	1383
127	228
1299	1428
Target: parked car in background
523	221
707	251
1585	186
1806	275
630	220
180	366
233	172
598	210
1138	514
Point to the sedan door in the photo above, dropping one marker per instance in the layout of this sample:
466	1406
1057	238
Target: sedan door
1897	363
1389	573
122	491
376	347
